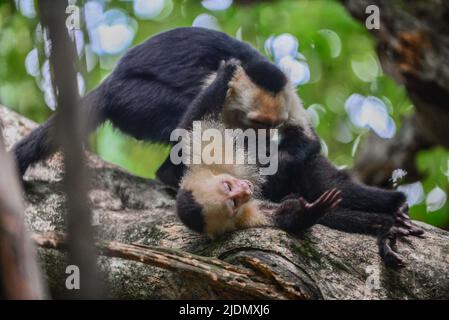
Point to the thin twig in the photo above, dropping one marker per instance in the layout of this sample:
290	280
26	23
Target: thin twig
218	274
69	132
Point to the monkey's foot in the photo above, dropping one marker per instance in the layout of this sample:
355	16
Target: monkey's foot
391	258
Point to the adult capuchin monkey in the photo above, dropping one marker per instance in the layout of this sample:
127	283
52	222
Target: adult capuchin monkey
216	198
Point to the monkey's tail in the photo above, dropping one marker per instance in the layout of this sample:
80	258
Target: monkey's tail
40	143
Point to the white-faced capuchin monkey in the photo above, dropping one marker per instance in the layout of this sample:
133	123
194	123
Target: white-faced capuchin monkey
217	198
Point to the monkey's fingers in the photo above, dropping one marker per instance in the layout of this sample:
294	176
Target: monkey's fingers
397	231
417	232
336	197
391	258
405	209
336	203
324	196
303	203
413	229
329	199
233	62
311	208
402	215
227	68
403	220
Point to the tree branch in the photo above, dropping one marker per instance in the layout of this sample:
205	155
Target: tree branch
136	212
218	274
413	47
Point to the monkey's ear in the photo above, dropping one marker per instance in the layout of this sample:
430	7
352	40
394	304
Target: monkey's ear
231	92
236	78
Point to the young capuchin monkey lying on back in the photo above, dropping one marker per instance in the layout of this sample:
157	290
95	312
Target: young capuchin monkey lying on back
215	198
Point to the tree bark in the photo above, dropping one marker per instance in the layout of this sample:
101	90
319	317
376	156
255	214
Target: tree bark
413	47
148	253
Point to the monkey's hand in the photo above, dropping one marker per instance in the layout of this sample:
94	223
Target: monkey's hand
227	69
296	215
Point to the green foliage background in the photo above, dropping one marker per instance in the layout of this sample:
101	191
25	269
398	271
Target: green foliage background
333	78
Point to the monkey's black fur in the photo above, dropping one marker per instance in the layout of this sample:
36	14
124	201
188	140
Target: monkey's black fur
152	86
368	210
314	174
189	211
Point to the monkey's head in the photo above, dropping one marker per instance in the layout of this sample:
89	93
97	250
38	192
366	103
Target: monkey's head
258	97
261	97
213	203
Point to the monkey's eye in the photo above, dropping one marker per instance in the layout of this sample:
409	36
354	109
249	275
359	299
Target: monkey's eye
232	202
227	186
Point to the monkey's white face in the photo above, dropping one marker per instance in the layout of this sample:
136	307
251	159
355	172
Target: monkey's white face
235	192
222	197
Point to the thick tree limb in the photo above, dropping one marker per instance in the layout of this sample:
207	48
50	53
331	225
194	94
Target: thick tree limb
413	47
217	273
131	211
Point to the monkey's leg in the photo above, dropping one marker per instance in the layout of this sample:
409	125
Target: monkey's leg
145	109
321	175
375	200
356	196
41	142
377	224
38	145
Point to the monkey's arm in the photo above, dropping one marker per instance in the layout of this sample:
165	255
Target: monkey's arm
209	103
